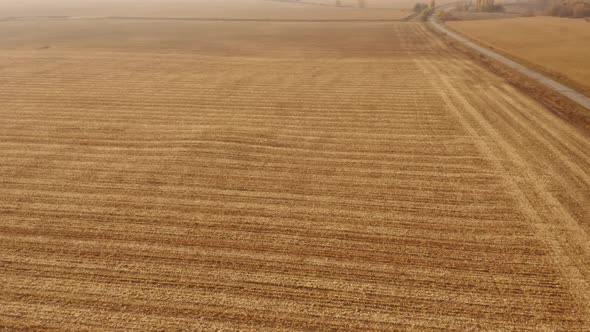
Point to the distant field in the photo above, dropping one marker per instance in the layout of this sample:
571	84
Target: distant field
232	39
558	45
229	9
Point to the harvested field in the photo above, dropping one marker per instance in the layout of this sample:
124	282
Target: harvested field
227	39
559	46
287	180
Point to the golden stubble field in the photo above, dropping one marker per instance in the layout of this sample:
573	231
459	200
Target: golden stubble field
280	177
560	46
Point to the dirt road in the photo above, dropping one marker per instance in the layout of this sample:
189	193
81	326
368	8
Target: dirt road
352	178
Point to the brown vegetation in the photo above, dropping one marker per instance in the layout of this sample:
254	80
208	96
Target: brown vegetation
576	9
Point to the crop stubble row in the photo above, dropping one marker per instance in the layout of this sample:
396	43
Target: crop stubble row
299	191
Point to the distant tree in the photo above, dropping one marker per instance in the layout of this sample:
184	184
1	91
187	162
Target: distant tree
581	10
462	6
419	7
362	3
488	6
529	13
569	8
338	3
565	11
553	10
426	14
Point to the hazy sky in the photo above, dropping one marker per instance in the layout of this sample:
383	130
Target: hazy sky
11	8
